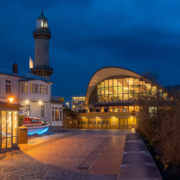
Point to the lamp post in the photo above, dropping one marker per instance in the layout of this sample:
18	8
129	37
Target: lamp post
67	104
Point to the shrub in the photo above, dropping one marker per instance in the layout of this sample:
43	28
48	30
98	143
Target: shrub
159	122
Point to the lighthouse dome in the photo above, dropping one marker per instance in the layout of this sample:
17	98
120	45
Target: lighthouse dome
42	17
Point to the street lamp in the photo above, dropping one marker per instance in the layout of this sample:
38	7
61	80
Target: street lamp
11	98
67	104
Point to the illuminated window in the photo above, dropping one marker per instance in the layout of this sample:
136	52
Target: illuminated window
56	114
131	81
45	89
125	81
120	82
123	89
8	86
41	89
30	87
125	108
106	83
131	108
165	95
25	87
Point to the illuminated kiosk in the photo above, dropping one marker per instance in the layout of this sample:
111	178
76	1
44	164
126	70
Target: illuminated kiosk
8	126
111	99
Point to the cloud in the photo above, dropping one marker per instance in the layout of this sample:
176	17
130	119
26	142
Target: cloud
90	34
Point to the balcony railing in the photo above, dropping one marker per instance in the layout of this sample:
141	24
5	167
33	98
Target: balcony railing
42	30
42	68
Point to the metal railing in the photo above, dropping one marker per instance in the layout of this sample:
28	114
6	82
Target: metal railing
42	30
42	68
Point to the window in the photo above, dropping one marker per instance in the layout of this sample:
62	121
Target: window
35	88
45	89
8	86
125	108
56	114
30	87
42	111
28	109
25	87
41	89
123	88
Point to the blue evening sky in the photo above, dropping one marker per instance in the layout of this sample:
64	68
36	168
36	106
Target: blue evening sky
90	34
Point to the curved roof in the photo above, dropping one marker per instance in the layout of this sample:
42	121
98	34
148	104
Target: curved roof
42	17
104	73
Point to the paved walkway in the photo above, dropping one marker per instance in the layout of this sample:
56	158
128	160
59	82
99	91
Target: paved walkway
110	159
61	156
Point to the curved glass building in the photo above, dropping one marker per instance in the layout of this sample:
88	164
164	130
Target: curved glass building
111	98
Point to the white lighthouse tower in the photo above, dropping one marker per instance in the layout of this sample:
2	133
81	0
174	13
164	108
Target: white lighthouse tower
42	34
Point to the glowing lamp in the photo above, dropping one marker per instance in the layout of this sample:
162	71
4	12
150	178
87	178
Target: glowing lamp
40	102
11	98
27	101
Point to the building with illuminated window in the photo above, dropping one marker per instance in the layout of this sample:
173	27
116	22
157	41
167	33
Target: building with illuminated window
76	102
111	98
33	93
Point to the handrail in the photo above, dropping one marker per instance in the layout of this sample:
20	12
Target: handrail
42	30
42	68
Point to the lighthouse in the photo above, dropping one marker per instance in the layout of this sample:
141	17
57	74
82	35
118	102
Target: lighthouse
42	34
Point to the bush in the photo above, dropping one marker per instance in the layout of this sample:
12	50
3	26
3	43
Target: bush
159	122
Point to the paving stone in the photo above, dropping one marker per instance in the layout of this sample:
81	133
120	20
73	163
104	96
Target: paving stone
57	159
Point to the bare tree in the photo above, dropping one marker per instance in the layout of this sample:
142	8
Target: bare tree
151	75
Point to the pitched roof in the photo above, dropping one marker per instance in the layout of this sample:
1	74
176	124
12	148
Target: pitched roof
22	75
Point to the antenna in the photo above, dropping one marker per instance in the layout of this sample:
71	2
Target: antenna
42	11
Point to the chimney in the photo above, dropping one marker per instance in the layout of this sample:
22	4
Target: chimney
15	68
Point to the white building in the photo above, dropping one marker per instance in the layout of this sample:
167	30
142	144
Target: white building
33	93
33	90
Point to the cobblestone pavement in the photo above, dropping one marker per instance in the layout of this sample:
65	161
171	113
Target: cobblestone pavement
57	160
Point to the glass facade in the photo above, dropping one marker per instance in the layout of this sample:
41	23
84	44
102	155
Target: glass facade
118	89
8	129
113	102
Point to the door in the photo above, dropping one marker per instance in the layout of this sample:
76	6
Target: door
121	123
104	123
114	123
6	129
125	123
91	123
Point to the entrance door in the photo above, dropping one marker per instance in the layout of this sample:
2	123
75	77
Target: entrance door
125	123
114	123
121	123
104	123
96	124
91	123
6	129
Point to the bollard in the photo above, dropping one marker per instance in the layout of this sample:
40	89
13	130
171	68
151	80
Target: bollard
133	130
